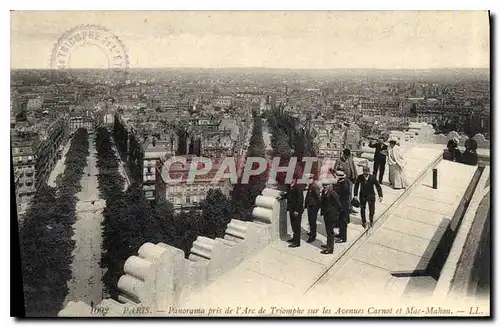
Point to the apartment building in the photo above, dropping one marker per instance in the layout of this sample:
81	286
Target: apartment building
35	151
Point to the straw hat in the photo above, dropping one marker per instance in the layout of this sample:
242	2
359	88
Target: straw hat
393	139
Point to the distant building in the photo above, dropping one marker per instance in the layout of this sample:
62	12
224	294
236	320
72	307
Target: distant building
89	120
186	195
224	101
23	162
353	137
154	151
35	151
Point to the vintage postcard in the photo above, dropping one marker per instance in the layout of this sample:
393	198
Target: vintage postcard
252	163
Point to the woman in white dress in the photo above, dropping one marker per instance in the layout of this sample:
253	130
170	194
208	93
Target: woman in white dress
396	164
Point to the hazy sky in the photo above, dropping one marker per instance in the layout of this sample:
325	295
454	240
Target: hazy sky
318	39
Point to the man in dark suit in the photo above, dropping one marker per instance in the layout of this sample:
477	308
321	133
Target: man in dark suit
330	206
366	183
313	201
379	158
343	190
346	164
295	207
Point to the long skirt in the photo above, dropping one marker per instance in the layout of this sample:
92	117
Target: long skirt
397	177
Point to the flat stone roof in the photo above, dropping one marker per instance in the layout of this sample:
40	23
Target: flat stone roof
411	222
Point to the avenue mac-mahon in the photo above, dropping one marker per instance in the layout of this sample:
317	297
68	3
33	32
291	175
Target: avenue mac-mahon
391	311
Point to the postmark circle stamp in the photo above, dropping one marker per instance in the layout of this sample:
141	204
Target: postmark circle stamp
85	36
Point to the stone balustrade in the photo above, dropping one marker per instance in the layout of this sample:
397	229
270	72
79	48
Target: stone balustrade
159	276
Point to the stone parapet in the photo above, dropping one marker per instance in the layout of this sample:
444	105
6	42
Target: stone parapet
160	277
455	278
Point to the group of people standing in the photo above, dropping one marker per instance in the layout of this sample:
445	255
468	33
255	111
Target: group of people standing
333	198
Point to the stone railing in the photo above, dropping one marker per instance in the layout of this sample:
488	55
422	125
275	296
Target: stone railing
159	276
457	276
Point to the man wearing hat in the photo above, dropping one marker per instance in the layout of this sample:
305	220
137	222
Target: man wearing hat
295	207
365	184
379	159
330	206
313	202
346	164
343	190
453	154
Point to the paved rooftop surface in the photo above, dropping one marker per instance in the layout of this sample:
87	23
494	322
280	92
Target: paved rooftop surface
404	242
408	224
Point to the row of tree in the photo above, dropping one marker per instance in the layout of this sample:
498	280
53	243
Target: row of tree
288	139
110	181
243	195
130	220
46	236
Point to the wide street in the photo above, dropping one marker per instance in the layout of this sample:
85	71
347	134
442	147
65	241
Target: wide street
86	282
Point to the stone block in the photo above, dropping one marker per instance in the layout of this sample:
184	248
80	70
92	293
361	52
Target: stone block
155	277
137	267
390	259
482	142
196	277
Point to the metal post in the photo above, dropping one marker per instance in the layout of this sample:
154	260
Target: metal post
434	178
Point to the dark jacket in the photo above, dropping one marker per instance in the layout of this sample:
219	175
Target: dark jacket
330	204
452	154
295	200
343	190
367	187
378	151
469	157
347	166
313	196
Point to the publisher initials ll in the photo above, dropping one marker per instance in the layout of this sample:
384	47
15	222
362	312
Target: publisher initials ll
474	311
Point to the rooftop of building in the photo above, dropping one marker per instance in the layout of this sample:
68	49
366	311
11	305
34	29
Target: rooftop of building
363	272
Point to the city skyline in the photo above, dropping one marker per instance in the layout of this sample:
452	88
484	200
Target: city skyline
311	40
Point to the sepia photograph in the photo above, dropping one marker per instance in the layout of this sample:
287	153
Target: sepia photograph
243	164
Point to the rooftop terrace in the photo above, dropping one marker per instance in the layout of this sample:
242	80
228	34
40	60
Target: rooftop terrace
253	267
